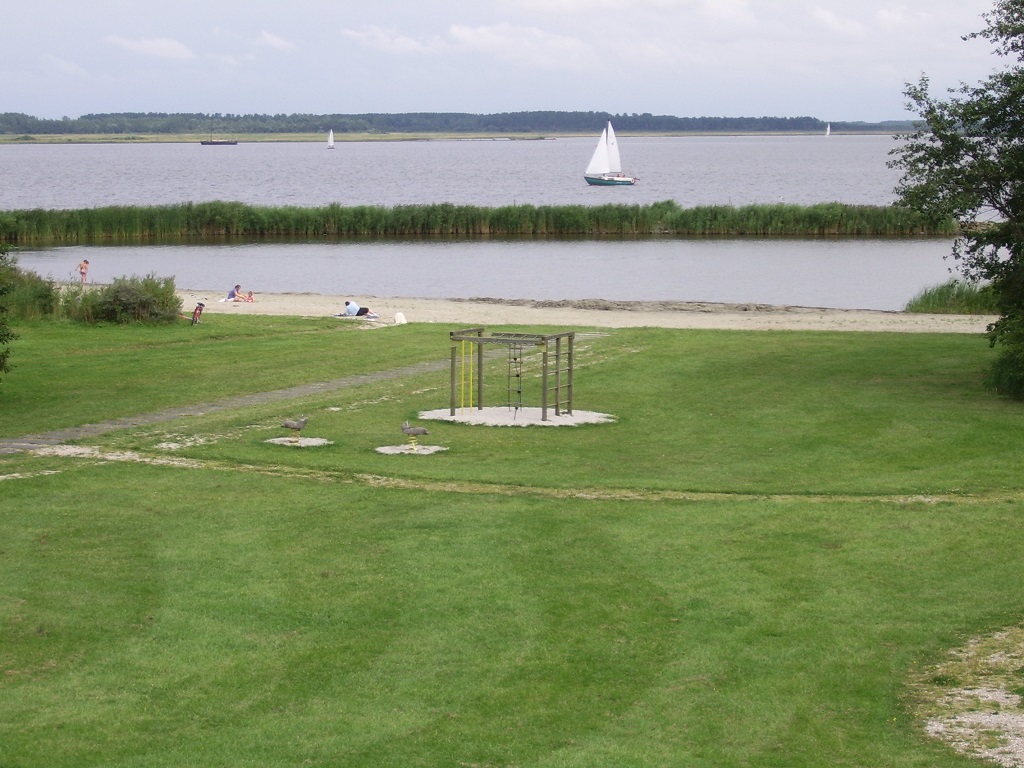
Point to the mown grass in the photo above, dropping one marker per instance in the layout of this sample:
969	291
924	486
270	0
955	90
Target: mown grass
956	297
66	375
742	570
169	223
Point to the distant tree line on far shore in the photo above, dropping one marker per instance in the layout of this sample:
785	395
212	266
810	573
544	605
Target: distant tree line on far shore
422	122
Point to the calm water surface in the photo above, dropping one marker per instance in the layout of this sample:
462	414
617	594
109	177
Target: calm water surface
821	273
875	274
690	170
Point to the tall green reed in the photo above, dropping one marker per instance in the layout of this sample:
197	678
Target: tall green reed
218	219
956	297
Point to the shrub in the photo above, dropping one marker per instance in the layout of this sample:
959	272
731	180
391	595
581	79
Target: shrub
149	299
31	296
1007	373
7	271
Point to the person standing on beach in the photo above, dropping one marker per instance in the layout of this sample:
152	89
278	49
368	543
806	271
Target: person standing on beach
83	269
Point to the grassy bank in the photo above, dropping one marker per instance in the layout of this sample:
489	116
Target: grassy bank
224	219
745	569
955	297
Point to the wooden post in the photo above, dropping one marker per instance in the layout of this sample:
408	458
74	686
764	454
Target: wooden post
558	376
544	386
480	373
569	374
454	384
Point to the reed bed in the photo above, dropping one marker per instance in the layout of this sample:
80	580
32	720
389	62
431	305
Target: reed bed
956	297
186	221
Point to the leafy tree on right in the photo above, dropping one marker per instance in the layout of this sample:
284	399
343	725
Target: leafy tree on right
966	161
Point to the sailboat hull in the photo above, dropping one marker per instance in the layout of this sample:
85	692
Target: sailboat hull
609	180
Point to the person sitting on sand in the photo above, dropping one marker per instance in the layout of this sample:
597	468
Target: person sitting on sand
250	298
235	294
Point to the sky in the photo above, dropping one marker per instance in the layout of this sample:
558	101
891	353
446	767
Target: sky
835	60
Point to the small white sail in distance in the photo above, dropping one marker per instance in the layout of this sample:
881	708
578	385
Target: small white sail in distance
330	139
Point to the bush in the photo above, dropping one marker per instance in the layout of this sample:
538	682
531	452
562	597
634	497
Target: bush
149	299
31	296
7	272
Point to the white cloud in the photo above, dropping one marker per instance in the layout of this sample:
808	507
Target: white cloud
389	41
156	47
271	40
159	47
65	67
728	12
592	6
891	18
529	46
840	25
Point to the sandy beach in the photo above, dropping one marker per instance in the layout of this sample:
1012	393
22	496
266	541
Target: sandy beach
589	313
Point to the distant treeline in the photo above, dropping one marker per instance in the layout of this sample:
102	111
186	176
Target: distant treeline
205	221
422	122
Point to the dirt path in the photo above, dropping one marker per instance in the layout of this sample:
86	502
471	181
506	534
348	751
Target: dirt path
30	442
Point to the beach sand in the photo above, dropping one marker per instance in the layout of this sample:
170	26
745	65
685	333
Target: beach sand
589	313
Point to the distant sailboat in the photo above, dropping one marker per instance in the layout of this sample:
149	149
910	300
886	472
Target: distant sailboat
212	142
330	139
605	167
828	129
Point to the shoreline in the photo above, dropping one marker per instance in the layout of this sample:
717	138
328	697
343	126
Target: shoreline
592	313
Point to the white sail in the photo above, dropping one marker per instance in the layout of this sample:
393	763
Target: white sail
330	139
614	161
599	162
605	166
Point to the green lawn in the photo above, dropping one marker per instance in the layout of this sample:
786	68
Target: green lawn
744	569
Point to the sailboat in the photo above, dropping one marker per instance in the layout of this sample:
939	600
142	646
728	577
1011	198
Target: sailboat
212	142
330	139
605	167
828	129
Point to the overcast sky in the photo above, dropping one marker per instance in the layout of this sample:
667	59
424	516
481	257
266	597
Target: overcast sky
830	59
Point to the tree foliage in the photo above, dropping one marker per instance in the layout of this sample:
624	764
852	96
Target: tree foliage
966	161
7	271
505	123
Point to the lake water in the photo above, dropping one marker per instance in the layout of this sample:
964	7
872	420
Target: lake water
869	274
732	170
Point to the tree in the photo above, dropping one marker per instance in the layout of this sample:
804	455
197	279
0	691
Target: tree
6	285
966	161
